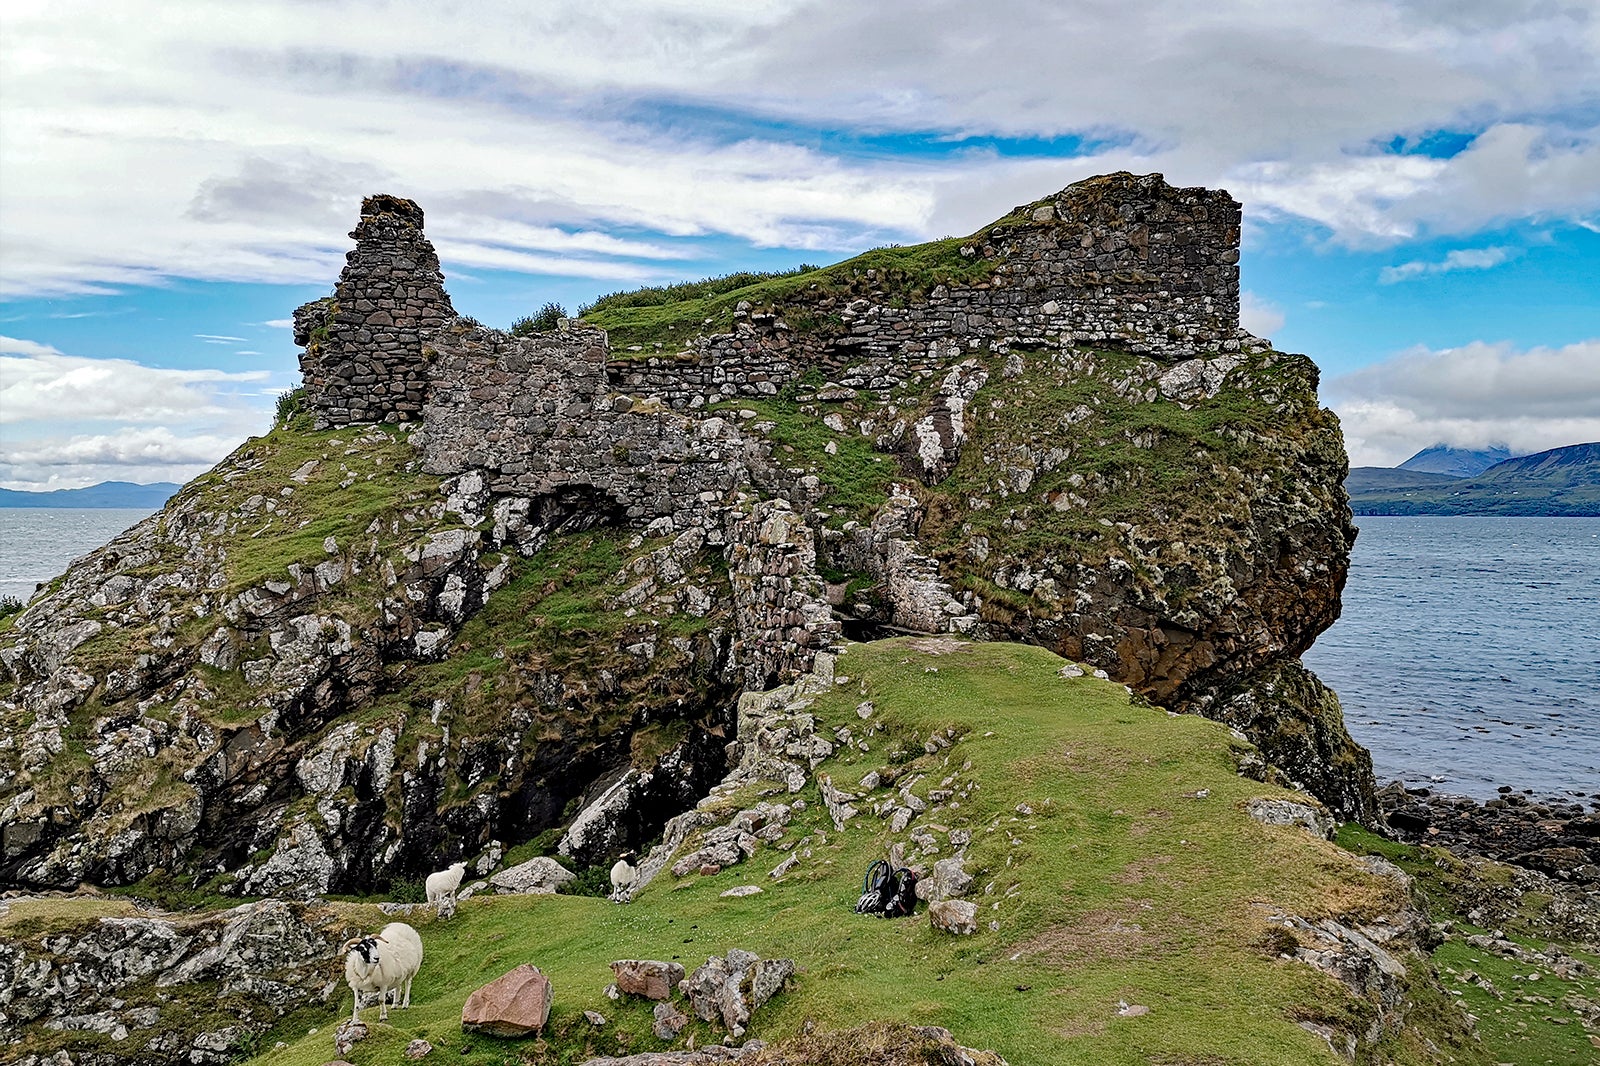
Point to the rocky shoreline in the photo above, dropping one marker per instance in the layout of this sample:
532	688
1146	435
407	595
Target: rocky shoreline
1557	836
1550	845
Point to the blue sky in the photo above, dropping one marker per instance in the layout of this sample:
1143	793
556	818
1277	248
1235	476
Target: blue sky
1421	181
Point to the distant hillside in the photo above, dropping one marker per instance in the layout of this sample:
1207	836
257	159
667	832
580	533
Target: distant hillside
105	494
1561	482
1364	479
1576	465
1456	462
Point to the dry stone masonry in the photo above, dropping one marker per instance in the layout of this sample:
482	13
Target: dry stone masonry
363	353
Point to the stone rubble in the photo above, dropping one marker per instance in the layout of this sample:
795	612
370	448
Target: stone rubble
728	989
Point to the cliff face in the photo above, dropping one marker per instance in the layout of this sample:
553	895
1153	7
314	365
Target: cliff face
483	578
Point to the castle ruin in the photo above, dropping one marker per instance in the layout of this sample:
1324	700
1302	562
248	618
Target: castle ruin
1120	261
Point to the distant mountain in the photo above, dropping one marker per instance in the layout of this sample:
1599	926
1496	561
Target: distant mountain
105	494
1577	464
1457	462
1561	481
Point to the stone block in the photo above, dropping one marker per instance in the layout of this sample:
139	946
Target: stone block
649	978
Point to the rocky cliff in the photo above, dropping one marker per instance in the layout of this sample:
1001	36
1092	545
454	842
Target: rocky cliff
484	587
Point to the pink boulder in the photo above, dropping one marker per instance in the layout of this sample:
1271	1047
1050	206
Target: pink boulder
514	1004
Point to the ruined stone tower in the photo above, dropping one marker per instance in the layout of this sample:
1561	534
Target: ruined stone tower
362	358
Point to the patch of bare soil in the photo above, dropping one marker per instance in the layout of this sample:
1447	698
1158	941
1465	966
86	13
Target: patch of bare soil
938	645
1141	870
1098	935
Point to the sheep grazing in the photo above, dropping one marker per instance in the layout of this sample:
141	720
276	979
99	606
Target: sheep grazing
383	962
445	882
623	875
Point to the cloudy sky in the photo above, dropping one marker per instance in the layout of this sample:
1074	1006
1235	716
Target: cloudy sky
1420	178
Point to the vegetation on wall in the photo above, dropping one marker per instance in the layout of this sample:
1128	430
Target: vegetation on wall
671	316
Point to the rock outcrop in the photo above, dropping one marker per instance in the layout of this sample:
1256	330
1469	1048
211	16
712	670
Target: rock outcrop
519	580
151	988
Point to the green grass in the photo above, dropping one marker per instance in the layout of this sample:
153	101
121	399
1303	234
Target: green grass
557	618
908	273
1156	474
351	486
656	295
29	919
1133	461
364	492
1125	884
1520	497
856	478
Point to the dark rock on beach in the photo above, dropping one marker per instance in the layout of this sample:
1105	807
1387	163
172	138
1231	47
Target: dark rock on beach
1556	837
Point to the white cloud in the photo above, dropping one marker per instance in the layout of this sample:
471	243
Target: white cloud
1469	397
129	446
279	323
474	254
1508	172
1459	259
40	384
217	338
1260	316
70	421
142	454
242	135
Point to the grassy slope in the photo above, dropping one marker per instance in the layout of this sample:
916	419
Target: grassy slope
365	478
1129	887
1564	481
1524	497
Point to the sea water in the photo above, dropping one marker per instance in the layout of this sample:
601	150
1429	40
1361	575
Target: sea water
1468	653
38	543
1467	656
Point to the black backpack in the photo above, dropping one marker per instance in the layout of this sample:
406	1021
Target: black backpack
887	892
904	899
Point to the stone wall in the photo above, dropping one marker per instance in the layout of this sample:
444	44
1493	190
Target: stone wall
1119	261
363	358
537	415
537	418
750	362
782	614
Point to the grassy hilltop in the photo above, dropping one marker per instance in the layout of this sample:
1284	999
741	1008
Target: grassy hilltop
1137	880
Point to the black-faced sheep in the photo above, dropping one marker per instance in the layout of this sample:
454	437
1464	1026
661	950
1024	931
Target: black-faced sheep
383	962
445	882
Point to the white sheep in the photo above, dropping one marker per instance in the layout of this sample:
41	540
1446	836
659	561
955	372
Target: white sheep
383	962
445	882
623	875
